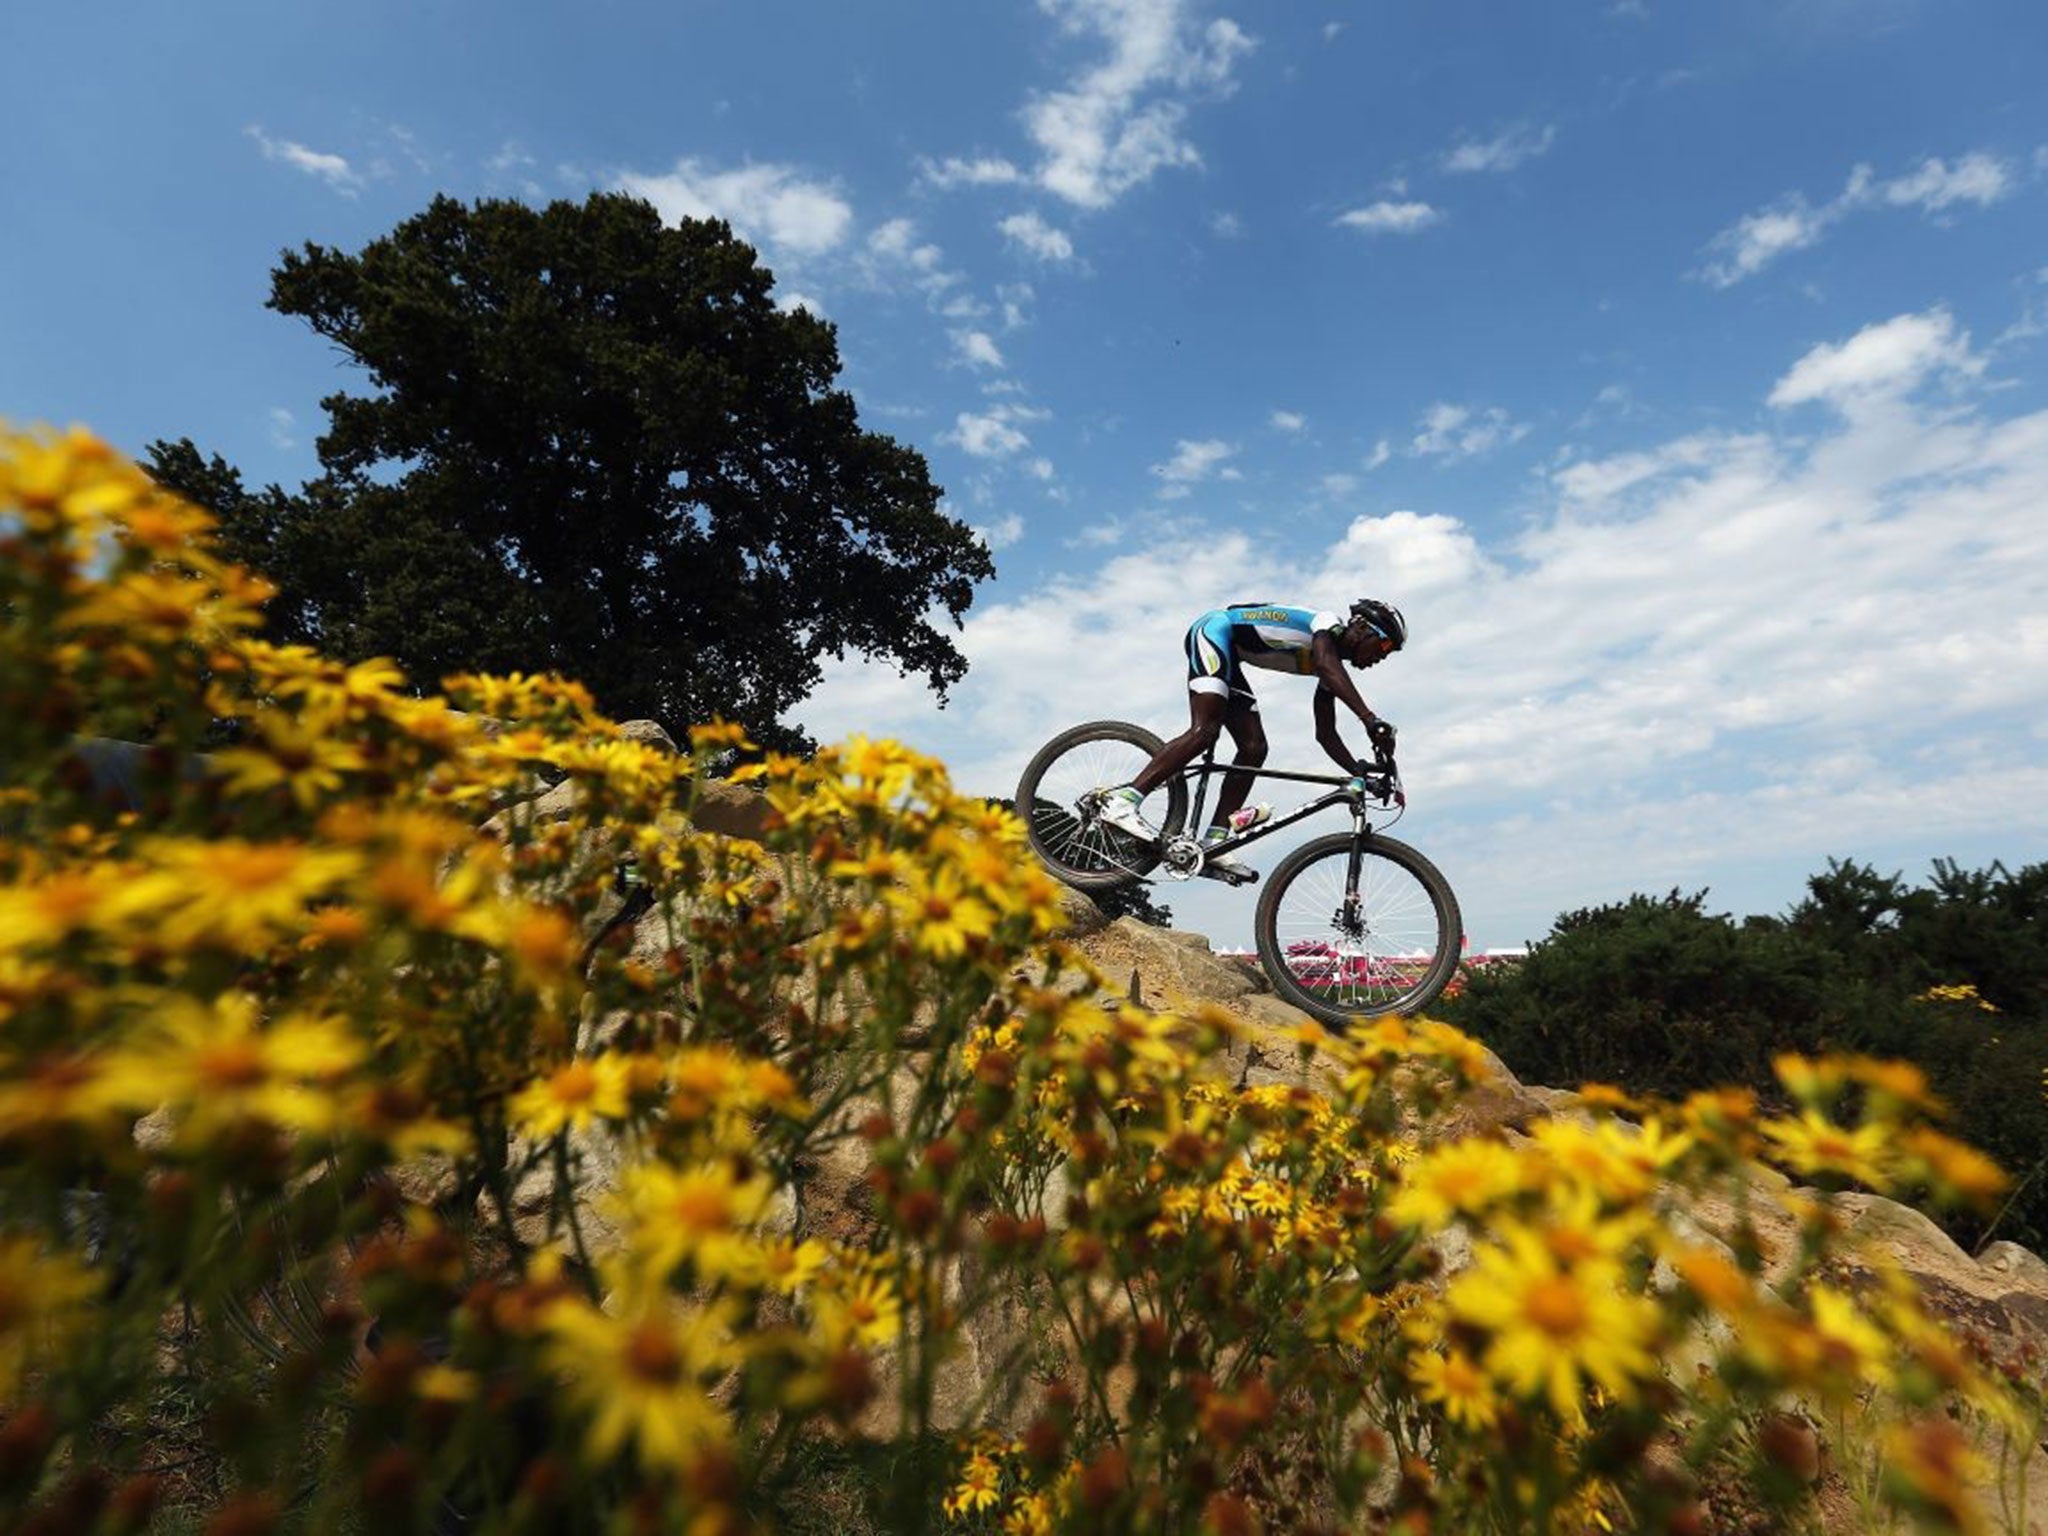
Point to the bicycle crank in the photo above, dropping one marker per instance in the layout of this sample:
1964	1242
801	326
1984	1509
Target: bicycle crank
1180	858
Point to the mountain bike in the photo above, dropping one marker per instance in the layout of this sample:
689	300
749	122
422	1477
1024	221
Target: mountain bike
1349	923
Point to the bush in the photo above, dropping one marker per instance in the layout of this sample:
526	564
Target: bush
351	1177
1657	995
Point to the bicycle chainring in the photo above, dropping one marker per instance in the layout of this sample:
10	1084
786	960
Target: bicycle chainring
1180	858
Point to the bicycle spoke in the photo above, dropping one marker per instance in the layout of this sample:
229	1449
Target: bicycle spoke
1064	821
1361	956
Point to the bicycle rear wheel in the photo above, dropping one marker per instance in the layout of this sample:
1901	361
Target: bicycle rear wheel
1336	948
1060	801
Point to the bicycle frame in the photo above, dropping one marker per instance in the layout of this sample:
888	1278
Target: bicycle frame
1355	789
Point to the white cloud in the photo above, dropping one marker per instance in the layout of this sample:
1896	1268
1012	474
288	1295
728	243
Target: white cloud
1332	30
1980	179
1595	485
1014	297
895	255
332	169
1703	684
982	171
1191	464
1339	486
1037	237
1226	226
283	424
775	204
1503	153
1039	469
1288	421
996	433
977	350
1459	432
1002	533
1381	452
1881	361
1791	223
1122	120
1757	239
791	301
1385	218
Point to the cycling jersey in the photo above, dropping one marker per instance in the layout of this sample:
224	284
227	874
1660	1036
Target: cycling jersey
1223	642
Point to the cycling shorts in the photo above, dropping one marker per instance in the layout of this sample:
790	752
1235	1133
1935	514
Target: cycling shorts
1213	666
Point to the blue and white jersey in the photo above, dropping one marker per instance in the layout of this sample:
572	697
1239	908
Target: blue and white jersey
1221	643
1278	638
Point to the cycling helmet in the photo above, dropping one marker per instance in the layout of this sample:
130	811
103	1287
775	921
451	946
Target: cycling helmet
1384	617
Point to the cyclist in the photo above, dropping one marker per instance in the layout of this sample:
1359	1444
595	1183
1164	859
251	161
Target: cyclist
1221	644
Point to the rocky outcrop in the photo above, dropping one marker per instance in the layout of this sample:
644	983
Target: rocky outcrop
1999	1296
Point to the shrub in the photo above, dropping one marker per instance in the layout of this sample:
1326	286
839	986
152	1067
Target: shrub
350	1176
1657	995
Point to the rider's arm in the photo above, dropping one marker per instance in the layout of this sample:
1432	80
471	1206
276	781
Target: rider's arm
1330	673
1326	731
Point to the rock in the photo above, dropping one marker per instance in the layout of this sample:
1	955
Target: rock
1174	970
1083	916
731	810
651	733
2016	1265
1500	1102
1919	1246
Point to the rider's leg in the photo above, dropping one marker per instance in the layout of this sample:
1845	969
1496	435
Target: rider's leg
1249	734
1206	712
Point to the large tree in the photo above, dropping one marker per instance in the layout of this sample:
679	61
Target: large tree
592	443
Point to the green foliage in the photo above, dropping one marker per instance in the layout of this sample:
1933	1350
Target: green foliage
1134	900
594	446
1657	995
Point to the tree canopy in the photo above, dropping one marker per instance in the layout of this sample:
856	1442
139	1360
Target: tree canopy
594	444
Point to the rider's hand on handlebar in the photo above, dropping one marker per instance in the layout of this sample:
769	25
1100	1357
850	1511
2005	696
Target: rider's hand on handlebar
1381	733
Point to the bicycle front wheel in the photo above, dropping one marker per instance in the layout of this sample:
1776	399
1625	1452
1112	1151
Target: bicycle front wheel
1339	940
1060	801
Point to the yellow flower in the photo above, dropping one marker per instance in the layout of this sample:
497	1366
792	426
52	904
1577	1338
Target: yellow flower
697	1214
1621	1161
160	606
1265	1198
1849	1344
1462	1178
1965	993
719	736
943	915
1817	1147
1893	1084
856	1304
1473	1062
1934	1471
1455	1384
240	895
641	1377
1813	1081
301	756
1719	1284
1031	1515
53	1091
43	1300
789	1266
1555	1329
45	912
1957	1170
221	1066
572	1097
976	1490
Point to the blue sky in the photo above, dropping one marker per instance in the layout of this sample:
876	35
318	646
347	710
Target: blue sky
1679	369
